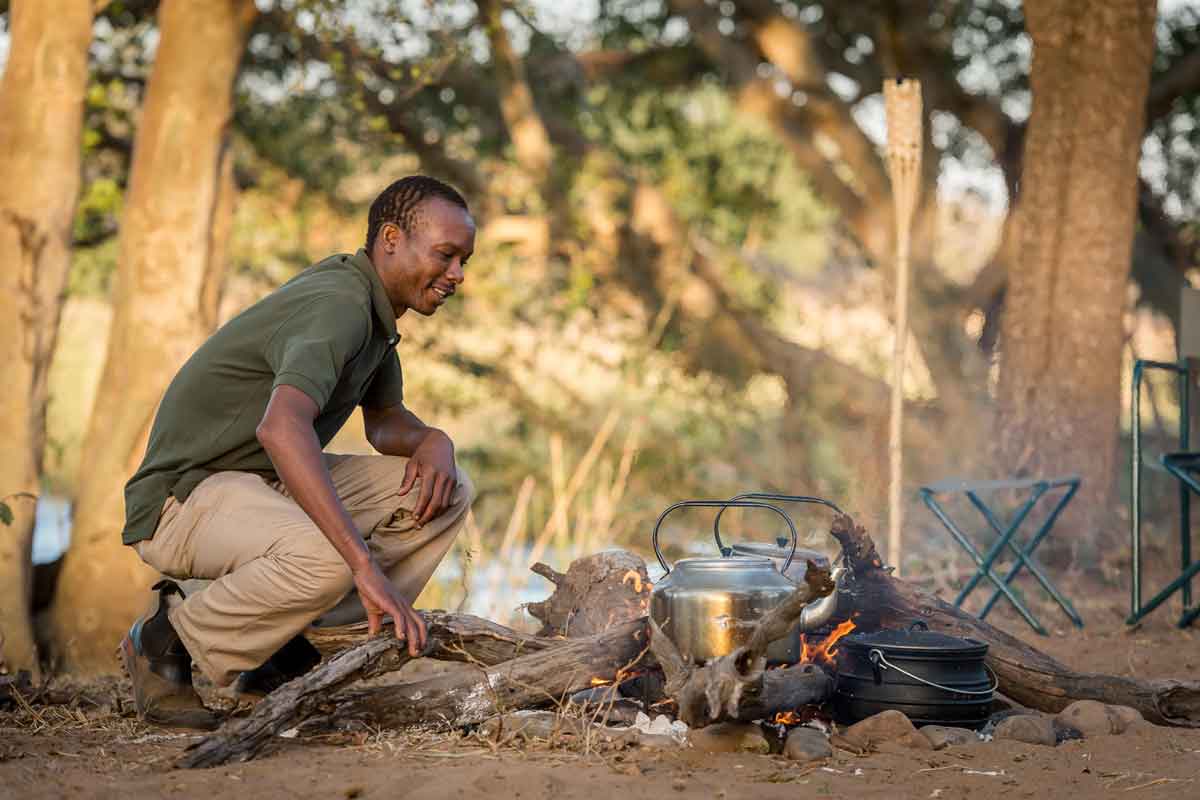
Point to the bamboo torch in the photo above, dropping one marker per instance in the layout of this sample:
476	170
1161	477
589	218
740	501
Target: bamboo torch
902	103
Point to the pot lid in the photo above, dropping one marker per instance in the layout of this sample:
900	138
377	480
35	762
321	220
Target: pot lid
916	640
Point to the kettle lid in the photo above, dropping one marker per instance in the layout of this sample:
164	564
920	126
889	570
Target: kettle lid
779	553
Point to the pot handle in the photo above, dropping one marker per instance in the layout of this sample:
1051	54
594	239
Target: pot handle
879	661
721	504
789	498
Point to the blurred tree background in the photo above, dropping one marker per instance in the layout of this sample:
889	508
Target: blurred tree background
682	280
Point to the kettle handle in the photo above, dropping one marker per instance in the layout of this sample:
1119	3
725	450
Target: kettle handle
790	498
721	504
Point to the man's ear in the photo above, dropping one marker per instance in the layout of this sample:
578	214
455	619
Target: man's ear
392	237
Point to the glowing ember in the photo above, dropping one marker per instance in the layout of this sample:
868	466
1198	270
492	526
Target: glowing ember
632	576
788	718
825	651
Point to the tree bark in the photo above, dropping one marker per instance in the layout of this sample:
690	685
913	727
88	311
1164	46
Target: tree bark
40	128
530	141
1063	332
161	309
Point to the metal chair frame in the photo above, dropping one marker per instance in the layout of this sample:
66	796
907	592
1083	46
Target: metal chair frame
1182	466
1024	554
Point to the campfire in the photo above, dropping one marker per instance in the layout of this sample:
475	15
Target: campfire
813	650
583	645
824	652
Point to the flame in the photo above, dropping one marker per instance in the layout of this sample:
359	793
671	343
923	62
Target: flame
600	682
788	718
825	651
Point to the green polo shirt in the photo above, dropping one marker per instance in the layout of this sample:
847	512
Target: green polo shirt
330	332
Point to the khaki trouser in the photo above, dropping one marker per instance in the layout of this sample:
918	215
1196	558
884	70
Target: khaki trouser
273	571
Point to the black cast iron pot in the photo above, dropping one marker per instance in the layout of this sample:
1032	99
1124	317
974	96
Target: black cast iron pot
932	677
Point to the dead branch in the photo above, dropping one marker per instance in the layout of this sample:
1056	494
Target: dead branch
452	637
456	699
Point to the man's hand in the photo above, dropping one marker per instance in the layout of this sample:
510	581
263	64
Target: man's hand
433	463
379	597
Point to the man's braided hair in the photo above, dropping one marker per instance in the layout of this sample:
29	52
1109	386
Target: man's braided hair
401	202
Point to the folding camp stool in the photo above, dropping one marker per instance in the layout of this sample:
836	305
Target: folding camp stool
985	562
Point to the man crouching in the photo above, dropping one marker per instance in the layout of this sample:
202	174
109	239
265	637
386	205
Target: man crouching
235	487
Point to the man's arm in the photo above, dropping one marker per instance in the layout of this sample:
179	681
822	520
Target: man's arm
286	433
396	431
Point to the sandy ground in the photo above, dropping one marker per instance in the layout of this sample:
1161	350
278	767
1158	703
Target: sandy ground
56	753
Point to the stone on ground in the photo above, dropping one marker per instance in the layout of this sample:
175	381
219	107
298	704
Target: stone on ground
806	745
1130	717
1093	718
941	736
730	737
1028	728
886	726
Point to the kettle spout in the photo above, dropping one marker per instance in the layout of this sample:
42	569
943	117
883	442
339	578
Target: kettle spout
819	612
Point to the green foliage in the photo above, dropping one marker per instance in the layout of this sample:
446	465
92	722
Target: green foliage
299	134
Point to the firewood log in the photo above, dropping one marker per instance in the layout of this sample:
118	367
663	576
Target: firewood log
546	677
456	637
596	592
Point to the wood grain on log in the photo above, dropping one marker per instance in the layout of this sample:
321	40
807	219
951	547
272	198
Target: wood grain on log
595	593
1027	675
455	637
241	739
456	700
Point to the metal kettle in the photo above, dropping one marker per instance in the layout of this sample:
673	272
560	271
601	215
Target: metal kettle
792	562
708	606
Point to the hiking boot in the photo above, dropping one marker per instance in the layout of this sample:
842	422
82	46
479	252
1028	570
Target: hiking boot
160	669
291	661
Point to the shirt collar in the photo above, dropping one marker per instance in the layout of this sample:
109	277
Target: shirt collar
379	298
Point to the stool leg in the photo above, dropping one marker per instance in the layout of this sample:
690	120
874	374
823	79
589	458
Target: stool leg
1024	558
1004	534
1185	497
1181	584
1170	589
982	562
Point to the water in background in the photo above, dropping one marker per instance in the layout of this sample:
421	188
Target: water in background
51	528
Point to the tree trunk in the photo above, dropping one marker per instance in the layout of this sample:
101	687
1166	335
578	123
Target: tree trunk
41	121
1063	332
162	308
531	143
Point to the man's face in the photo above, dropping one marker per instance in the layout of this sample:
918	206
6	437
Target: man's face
422	269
